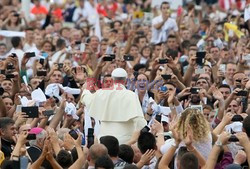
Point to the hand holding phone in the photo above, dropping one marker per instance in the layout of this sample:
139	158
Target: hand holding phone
41	73
194	90
145	129
166	77
163	89
233	138
31	137
30	54
128	58
242	93
32	111
107	59
163	61
158	118
60	65
10	76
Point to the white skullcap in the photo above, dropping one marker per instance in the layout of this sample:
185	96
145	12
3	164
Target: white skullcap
119	72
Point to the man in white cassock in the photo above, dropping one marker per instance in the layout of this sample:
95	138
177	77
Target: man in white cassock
118	109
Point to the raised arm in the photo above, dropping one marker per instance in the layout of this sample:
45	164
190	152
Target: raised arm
81	156
213	156
58	116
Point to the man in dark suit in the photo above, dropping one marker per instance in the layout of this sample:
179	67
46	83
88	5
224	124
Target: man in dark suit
7	132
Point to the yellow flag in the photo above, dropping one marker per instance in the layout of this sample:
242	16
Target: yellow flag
234	28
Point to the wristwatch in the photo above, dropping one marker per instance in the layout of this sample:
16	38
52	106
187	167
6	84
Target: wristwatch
218	143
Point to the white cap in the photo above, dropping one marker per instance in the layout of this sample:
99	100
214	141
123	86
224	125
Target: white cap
164	118
119	72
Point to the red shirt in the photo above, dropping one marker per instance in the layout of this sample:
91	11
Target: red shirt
103	11
58	13
39	10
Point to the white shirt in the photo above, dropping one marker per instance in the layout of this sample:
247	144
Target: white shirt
27	47
91	12
161	35
143	60
79	11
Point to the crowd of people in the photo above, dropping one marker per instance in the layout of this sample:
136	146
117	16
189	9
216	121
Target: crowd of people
113	84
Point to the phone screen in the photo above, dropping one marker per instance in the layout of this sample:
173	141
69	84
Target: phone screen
90	137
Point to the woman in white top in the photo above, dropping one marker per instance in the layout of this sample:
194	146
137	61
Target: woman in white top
201	130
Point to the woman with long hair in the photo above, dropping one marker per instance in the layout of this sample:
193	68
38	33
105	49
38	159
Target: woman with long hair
202	139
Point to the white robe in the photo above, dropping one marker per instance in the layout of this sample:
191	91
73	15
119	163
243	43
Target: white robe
118	109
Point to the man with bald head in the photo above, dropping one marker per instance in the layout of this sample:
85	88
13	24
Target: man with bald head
96	151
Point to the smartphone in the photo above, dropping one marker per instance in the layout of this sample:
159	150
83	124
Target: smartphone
184	98
166	77
237	117
242	93
2	72
24	162
41	73
200	61
238	80
30	54
163	88
90	137
199	107
163	61
194	90
32	111
48	113
222	68
158	118
244	101
41	61
31	137
13	55
145	129
60	65
112	56
233	138
16	15
1	91
128	57
10	76
201	54
10	66
107	59
78	42
73	134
